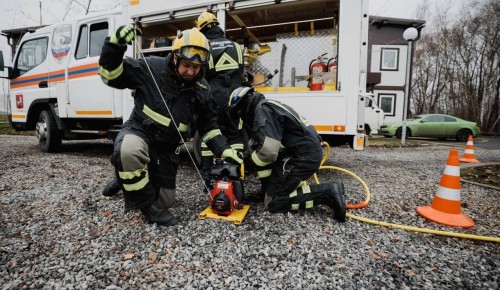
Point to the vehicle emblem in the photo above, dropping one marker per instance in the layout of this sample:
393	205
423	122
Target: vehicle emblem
61	42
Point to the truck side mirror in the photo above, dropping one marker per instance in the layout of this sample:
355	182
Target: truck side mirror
2	66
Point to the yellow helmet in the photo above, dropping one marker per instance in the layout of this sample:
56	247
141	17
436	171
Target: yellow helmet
192	45
206	18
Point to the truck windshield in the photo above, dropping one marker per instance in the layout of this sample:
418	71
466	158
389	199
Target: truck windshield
32	53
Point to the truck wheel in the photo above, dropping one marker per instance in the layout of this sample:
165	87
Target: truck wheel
49	137
197	149
368	131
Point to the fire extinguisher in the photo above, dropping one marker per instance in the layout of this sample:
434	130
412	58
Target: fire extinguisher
316	69
330	80
332	64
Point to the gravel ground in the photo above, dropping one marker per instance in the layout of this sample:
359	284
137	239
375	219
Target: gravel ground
59	232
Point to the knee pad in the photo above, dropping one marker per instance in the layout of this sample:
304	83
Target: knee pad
134	152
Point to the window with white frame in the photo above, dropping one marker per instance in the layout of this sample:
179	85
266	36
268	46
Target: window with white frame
387	102
389	59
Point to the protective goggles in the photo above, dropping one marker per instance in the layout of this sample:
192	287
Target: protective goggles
194	54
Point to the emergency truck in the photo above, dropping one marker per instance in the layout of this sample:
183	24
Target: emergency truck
317	47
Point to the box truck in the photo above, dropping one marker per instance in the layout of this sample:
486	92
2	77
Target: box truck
317	47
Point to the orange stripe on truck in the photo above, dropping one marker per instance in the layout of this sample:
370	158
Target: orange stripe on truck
90	69
89	65
323	127
33	80
331	128
99	113
18	116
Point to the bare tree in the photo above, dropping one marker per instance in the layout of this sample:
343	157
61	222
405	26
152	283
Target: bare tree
457	66
477	45
430	63
87	6
491	36
429	82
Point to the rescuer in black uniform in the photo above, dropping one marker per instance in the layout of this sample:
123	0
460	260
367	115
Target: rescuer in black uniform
144	156
226	72
285	150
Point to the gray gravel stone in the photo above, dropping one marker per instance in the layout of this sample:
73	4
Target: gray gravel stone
59	232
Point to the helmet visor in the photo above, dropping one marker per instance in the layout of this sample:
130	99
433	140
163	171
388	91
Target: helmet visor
194	54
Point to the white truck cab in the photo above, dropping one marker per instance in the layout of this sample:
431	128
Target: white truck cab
374	116
55	88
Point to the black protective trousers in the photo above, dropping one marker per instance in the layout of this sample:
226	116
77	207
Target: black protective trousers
142	165
289	171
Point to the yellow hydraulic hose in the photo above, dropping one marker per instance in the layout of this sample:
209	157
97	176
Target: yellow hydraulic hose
367	190
375	222
327	152
423	230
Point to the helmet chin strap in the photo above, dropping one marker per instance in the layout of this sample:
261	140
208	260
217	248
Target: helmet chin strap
176	63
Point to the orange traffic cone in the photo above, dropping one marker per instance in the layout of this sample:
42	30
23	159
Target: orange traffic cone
469	155
446	208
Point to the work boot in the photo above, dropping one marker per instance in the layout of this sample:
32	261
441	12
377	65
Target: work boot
154	213
112	188
335	200
254	197
257	197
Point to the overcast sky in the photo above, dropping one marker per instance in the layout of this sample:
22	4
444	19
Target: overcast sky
23	13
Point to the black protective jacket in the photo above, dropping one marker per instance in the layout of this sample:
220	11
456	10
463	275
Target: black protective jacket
277	129
190	104
226	66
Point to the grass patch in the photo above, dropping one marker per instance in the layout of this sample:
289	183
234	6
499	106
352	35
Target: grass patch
5	128
488	174
392	143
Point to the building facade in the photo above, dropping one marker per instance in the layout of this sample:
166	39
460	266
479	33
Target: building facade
387	58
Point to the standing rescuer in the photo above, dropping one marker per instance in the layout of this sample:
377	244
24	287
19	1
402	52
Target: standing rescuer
285	150
226	72
145	156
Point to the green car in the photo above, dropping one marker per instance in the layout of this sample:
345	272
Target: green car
432	125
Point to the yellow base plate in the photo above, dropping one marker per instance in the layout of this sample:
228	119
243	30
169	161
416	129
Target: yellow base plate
235	217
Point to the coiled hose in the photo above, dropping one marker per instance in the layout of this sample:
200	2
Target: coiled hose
380	223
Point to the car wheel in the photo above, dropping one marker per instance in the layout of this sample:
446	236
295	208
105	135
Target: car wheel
399	132
49	136
463	135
